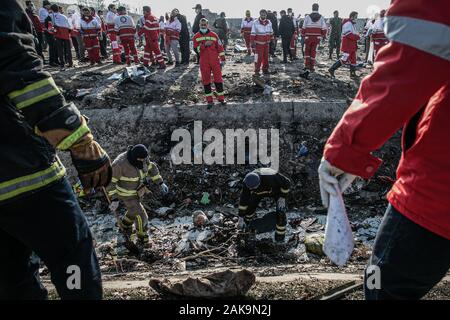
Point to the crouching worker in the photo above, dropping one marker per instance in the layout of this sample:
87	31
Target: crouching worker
132	172
264	183
212	59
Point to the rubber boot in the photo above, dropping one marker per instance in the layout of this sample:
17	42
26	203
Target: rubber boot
334	67
280	228
209	95
220	93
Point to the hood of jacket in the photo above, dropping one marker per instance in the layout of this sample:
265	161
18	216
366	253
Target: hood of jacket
315	16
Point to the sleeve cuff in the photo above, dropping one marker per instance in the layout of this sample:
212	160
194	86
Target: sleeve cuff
352	161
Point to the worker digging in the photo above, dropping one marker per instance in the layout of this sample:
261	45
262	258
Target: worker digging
164	150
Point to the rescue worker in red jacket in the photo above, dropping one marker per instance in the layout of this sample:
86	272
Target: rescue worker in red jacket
90	30
314	30
412	247
377	34
110	25
261	36
349	45
212	59
246	30
151	33
126	29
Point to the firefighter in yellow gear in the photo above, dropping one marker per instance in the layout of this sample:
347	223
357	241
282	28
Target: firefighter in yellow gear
132	172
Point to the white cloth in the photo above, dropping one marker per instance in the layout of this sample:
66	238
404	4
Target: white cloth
338	243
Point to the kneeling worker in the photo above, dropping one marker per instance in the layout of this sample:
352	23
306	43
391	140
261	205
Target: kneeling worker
264	183
132	171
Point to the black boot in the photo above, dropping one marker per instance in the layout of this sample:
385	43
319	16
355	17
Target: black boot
353	72
280	228
334	67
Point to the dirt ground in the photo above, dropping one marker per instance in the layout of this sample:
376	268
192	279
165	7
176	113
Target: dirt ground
179	247
182	85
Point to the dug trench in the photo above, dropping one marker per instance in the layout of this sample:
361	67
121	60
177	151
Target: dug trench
181	248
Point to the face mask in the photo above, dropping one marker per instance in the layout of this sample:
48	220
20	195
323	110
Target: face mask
203	30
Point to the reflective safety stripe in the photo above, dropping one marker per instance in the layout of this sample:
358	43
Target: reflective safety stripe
428	36
280	232
208	94
129	179
140	228
34	93
125	192
206	39
157	177
71	139
222	54
114	180
112	192
281	228
243	207
127	221
284	190
220	93
12	188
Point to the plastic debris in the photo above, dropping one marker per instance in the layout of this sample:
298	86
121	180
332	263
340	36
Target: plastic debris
205	198
137	74
82	92
314	243
302	150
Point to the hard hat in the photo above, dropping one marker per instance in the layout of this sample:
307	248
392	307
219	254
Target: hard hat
252	180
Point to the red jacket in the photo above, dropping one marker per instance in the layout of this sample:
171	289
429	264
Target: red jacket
150	28
350	37
35	21
211	53
409	88
314	26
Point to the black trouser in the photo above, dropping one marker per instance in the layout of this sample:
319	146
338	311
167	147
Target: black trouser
286	43
335	43
63	47
52	51
250	213
103	46
162	47
273	46
185	48
51	224
76	47
412	260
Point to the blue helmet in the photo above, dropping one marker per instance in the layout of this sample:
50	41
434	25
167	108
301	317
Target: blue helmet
252	180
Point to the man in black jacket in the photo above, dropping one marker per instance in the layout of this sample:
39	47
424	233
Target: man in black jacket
286	31
184	39
196	25
39	213
274	20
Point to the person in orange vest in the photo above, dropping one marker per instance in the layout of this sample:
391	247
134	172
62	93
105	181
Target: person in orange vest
90	29
150	30
110	25
212	59
125	28
246	30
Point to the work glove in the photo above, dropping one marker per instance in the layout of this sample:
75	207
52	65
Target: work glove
329	182
114	205
164	189
281	204
92	163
